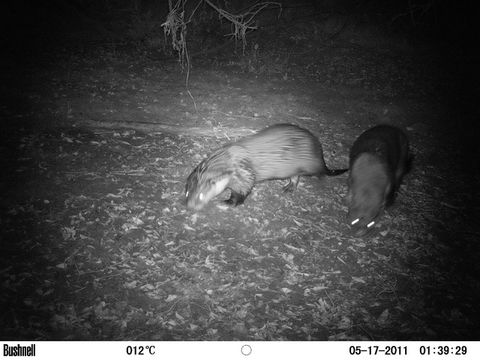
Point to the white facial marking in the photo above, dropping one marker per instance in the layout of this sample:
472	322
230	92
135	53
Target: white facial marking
186	194
220	185
370	224
201	196
355	221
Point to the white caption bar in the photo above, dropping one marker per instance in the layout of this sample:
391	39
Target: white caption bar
118	350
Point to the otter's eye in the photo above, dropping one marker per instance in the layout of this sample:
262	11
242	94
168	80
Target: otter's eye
201	196
370	224
355	221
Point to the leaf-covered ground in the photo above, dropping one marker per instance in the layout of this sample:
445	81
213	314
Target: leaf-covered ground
96	242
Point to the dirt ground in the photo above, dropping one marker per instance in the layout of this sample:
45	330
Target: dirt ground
96	241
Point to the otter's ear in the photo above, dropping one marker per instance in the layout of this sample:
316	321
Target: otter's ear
388	189
382	209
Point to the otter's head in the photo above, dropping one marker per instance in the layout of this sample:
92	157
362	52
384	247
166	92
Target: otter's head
366	197
365	205
202	186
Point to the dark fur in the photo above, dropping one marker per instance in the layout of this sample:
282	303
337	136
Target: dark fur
378	161
277	152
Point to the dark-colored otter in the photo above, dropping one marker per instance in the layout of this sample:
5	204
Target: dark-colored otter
378	161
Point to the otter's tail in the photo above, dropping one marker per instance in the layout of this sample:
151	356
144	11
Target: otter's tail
334	172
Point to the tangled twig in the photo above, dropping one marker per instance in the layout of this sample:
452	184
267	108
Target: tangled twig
244	22
175	25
